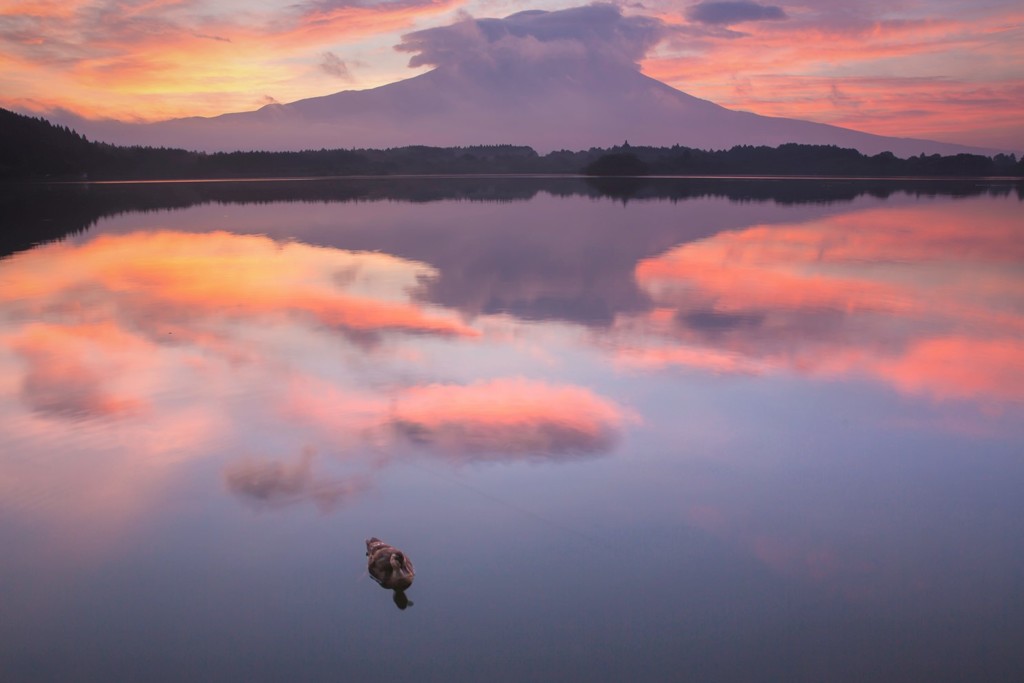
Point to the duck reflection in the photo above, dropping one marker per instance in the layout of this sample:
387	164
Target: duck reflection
401	600
391	568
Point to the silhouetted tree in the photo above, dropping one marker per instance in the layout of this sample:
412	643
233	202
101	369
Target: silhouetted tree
617	164
32	148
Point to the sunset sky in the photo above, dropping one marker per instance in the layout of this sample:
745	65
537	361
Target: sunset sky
948	70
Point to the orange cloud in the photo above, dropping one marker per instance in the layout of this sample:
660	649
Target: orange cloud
73	371
499	419
927	298
327	23
171	275
825	264
162	60
955	78
40	8
506	417
960	367
756	268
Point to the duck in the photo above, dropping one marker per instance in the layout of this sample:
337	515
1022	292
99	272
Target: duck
389	566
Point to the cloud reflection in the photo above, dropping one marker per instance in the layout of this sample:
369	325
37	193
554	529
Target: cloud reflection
157	281
72	371
503	419
506	418
926	298
960	367
275	483
155	342
791	554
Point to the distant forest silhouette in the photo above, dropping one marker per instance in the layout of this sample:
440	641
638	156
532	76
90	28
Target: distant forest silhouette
35	149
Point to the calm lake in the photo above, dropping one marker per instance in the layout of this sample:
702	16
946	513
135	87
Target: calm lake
699	430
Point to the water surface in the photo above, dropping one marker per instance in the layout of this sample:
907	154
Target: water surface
744	430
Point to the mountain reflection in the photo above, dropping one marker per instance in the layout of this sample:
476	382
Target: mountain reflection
926	298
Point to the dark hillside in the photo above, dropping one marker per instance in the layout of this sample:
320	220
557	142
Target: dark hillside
34	149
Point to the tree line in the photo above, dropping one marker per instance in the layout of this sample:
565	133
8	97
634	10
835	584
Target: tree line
34	149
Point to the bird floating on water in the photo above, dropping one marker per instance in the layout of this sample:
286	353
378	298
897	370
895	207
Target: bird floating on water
389	566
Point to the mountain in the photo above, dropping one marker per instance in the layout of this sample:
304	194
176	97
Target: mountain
572	108
566	79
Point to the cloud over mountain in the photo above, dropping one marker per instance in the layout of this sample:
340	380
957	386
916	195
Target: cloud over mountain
335	66
597	33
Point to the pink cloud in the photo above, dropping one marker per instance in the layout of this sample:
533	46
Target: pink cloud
503	417
175	276
881	293
165	59
73	371
952	77
499	419
960	367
